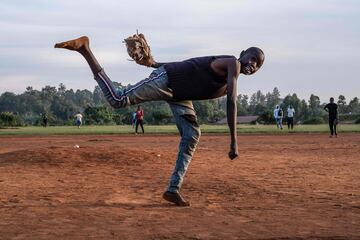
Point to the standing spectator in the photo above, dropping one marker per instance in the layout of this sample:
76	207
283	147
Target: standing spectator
278	115
139	119
332	109
290	117
133	119
45	119
78	120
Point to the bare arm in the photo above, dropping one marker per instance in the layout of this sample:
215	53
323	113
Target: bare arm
229	68
233	69
326	108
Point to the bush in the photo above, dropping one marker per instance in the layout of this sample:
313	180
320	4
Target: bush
349	117
8	119
357	121
266	118
98	115
314	120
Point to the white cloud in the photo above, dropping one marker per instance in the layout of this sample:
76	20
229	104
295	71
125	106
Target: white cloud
307	43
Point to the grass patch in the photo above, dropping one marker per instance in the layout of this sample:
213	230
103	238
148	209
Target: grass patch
169	129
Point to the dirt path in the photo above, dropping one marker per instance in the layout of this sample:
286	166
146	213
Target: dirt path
297	186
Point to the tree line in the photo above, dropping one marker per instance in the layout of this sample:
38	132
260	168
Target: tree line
61	104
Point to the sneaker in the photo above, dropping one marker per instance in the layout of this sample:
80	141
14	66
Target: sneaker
176	198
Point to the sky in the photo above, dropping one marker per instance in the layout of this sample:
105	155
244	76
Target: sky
311	46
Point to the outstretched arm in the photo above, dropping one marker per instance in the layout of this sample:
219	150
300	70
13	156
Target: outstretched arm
230	68
233	69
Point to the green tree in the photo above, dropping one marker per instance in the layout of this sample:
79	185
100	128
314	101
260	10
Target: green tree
7	119
273	98
8	102
354	105
98	115
314	105
342	107
98	96
257	103
242	105
303	111
294	101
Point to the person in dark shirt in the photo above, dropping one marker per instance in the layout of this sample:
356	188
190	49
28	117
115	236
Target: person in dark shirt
45	119
139	119
331	108
179	83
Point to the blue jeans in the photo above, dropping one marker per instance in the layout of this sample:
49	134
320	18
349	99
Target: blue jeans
155	88
190	135
279	122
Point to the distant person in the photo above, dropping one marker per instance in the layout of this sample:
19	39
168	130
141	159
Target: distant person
78	120
278	115
133	119
45	120
332	109
139	119
290	117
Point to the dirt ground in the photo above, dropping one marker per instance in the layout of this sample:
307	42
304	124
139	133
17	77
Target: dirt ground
296	186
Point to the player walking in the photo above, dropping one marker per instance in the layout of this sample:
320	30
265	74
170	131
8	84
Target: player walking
332	109
78	120
290	117
278	115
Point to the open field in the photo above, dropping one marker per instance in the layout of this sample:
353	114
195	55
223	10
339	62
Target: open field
288	186
155	129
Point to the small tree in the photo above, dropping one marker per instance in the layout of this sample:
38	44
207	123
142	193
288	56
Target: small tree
98	115
342	104
7	119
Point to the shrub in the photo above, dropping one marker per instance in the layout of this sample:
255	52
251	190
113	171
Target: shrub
314	120
357	121
349	117
266	118
98	115
7	119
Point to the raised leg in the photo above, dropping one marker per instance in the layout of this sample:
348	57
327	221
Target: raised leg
113	94
81	45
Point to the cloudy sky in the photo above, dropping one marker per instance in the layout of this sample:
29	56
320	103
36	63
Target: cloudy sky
311	46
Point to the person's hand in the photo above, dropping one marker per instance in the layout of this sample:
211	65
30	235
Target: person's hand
233	153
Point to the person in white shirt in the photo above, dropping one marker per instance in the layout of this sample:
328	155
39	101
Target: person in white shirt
278	115
290	117
78	120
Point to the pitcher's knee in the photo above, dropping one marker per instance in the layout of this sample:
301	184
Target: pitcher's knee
191	138
191	130
197	134
118	103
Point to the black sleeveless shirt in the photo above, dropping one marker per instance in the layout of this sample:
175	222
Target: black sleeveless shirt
193	79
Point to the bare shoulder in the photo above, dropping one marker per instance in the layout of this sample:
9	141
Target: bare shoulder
225	60
222	65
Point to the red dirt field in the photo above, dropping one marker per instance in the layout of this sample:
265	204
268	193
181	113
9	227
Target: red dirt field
296	186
